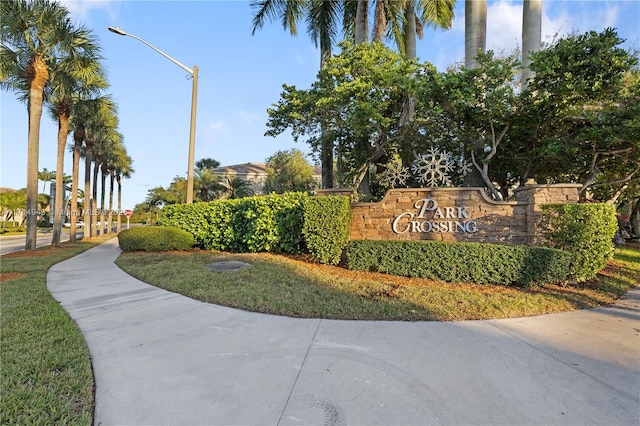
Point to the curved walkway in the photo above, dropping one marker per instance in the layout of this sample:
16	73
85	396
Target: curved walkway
164	359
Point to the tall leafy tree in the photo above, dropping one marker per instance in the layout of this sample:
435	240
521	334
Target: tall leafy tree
582	111
359	97
288	171
35	33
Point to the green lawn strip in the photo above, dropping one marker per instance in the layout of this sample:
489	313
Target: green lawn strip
46	370
279	285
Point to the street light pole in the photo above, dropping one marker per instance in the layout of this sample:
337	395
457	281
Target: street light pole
194	96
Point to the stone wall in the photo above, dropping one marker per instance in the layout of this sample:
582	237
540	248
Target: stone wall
455	214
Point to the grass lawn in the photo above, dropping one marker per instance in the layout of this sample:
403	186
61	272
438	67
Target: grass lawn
292	286
46	371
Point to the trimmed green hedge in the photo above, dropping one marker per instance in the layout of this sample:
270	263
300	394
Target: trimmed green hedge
461	262
292	222
327	221
584	230
155	238
262	223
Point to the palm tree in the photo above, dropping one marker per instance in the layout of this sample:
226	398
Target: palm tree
322	17
207	185
11	203
122	169
475	30
72	79
531	35
235	187
97	128
113	143
475	41
418	13
34	34
45	176
207	163
116	152
362	22
84	114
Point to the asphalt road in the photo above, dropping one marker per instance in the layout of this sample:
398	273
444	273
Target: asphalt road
11	243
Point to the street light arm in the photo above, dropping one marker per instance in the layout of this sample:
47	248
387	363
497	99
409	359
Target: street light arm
192	131
178	63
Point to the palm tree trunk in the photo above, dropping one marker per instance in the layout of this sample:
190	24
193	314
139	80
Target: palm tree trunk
475	41
78	137
110	213
88	202
103	180
475	31
63	131
326	150
94	195
119	180
410	32
531	35
379	22
362	22
37	75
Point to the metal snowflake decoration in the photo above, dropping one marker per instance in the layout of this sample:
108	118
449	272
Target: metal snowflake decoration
432	169
465	168
395	175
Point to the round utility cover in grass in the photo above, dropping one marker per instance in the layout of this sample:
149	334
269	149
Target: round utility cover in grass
228	265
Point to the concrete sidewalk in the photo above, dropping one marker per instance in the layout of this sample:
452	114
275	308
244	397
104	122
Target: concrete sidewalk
163	359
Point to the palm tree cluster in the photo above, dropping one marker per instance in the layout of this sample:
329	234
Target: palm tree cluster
49	62
398	21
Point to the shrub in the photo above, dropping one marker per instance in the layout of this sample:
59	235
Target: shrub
461	262
584	230
155	238
252	224
327	221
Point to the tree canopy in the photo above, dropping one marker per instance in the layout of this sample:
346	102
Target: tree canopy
289	171
577	121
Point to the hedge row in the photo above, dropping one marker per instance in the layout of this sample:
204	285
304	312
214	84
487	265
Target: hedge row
155	238
584	230
290	223
461	262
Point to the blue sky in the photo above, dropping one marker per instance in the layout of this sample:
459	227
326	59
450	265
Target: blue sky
240	77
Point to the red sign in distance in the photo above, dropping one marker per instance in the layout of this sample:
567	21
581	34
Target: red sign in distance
128	213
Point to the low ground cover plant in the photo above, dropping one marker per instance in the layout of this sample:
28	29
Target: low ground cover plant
155	238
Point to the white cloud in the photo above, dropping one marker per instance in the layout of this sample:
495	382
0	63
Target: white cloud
565	20
251	117
504	26
81	9
215	129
